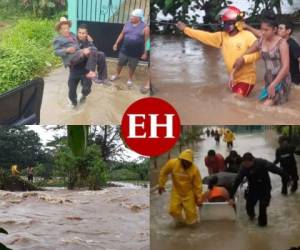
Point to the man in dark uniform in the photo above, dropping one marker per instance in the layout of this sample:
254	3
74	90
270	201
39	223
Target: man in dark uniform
285	156
256	170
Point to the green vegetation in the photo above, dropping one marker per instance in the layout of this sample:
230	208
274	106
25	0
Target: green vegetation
26	52
78	171
55	163
190	135
179	9
15	183
11	10
293	132
27	32
128	171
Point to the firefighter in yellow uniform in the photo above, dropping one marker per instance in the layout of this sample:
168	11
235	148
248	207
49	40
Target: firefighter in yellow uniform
14	170
229	138
233	42
187	187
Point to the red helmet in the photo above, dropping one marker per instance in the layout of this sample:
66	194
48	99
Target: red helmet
230	13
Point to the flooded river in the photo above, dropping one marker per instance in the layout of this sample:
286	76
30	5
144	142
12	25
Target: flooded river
192	77
105	105
284	212
113	218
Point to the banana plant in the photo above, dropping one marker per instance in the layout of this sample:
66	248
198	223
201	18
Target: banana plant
78	138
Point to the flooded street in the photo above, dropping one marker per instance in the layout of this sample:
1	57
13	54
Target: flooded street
113	218
105	104
192	77
282	232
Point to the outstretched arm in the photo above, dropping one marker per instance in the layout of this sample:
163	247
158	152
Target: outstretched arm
213	39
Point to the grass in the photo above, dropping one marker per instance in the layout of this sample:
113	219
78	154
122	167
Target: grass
25	45
26	52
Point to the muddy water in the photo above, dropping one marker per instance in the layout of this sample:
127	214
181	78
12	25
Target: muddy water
114	218
192	77
104	105
284	212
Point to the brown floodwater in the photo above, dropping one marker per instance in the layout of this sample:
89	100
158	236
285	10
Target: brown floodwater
192	77
284	212
105	104
113	218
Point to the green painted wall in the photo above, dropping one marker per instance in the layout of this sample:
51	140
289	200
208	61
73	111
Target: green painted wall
93	10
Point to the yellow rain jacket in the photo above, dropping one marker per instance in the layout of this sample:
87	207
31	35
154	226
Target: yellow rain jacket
187	187
232	48
14	170
229	136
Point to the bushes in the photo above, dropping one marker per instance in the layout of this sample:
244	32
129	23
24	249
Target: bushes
44	8
87	170
123	175
129	171
26	52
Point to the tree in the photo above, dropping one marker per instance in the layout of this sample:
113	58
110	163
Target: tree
179	9
109	140
19	146
44	8
262	6
87	169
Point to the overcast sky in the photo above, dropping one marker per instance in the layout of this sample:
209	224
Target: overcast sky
48	135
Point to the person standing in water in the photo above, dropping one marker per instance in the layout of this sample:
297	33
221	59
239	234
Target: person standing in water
234	42
214	162
81	62
233	162
275	53
15	171
285	30
207	133
229	138
285	155
30	173
256	170
217	137
187	187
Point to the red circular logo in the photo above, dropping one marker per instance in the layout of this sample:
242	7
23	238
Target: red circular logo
150	126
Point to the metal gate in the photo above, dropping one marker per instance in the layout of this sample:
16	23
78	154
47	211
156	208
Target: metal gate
104	18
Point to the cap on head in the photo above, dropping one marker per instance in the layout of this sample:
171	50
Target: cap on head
186	155
138	13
